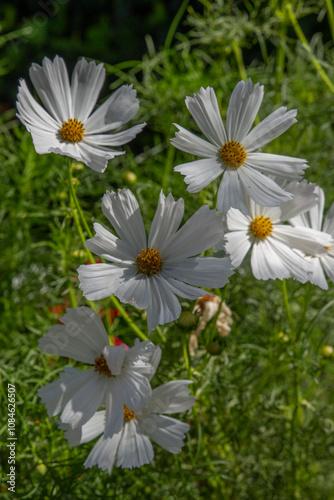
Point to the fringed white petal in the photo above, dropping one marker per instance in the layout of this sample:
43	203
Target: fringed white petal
81	337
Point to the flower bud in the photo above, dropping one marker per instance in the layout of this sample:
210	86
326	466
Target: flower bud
327	351
130	177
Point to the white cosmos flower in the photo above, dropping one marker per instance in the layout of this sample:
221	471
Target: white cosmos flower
118	376
131	447
231	153
321	261
275	246
67	124
149	273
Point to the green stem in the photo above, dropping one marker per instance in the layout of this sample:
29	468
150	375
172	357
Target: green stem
240	63
129	321
330	12
81	234
72	296
76	202
307	299
175	23
308	49
185	348
91	258
162	337
286	304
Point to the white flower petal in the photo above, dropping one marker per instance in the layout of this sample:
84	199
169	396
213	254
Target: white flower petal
33	114
135	448
179	288
171	397
56	395
191	143
277	260
237	245
74	150
86	391
114	356
113	403
53	87
263	190
166	221
318	276
205	111
90	430
117	110
123	212
114	139
237	221
308	240
268	129
164	306
287	167
316	212
255	210
266	263
167	432
109	247
96	157
104	453
135	390
186	243
155	361
329	221
136	292
230	193
45	142
327	262
209	272
98	281
243	107
305	198
86	84
294	260
81	337
199	173
144	357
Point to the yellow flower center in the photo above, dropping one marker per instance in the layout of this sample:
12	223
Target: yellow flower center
261	227
233	154
72	130
128	414
327	248
101	366
149	262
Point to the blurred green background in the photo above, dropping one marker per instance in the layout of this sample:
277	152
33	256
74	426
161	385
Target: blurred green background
110	31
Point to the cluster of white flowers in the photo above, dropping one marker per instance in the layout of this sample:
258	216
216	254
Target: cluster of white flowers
119	382
268	209
251	193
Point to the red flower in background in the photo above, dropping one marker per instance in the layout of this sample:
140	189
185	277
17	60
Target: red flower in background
58	311
97	261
